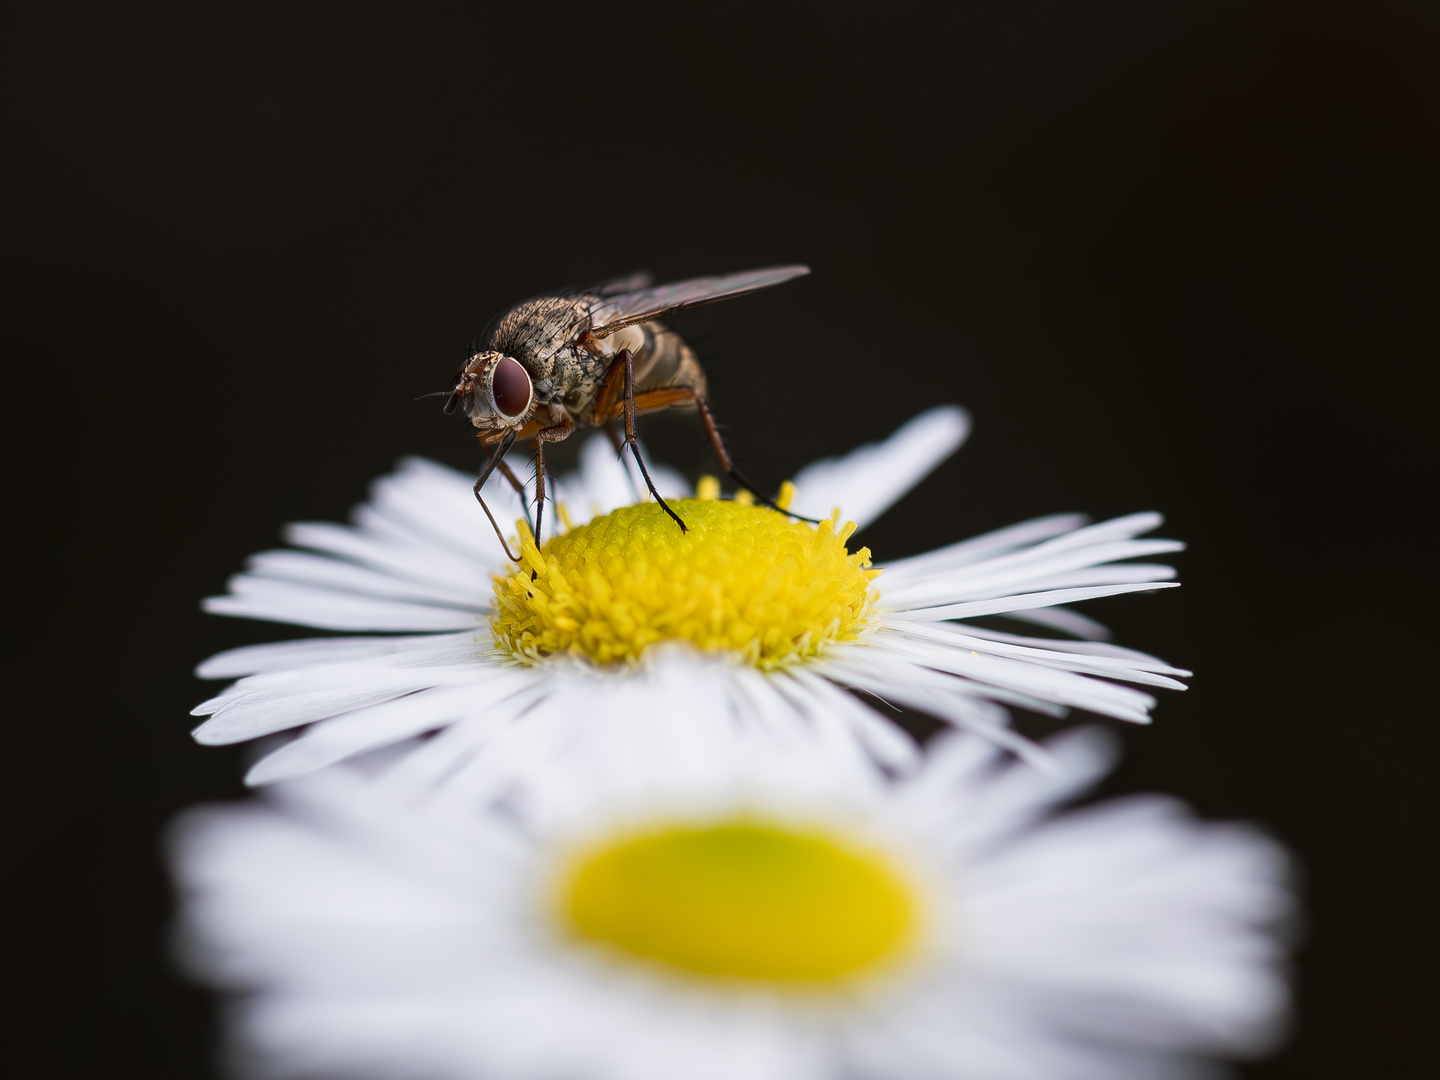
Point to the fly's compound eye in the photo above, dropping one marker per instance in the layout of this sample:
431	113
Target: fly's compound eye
510	387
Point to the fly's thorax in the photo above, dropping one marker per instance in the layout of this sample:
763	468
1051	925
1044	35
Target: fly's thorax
573	376
535	329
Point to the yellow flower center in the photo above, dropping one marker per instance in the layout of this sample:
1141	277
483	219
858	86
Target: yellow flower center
744	579
742	900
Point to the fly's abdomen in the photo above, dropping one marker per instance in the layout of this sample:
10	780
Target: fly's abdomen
665	361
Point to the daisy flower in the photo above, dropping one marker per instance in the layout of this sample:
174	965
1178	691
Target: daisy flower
456	636
678	902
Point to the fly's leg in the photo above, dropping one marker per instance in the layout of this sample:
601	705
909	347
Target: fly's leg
539	493
619	444
674	395
629	361
723	457
556	433
607	406
517	484
515	481
615	439
496	461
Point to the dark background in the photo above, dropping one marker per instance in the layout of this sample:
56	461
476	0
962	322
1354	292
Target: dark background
1172	255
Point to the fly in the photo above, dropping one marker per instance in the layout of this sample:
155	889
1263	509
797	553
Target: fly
584	358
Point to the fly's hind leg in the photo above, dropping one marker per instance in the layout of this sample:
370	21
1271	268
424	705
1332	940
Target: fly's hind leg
723	457
677	394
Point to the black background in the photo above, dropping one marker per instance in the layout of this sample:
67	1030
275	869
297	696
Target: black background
1172	255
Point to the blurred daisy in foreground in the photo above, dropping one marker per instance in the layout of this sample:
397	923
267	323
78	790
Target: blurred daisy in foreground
787	612
662	904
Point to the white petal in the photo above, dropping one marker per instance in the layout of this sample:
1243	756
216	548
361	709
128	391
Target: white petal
890	745
1033	569
320	571
433	508
327	609
439	758
264	712
867	481
1022	602
385	553
1015	798
372	929
1066	621
1125	667
287	655
1079	648
987	545
384	724
1033	680
1106	541
898	680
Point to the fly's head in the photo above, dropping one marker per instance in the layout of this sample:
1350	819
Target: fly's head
494	390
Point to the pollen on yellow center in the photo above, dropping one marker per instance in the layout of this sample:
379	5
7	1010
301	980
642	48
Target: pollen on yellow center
742	899
743	579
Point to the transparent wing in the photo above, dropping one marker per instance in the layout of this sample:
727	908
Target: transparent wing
629	283
612	313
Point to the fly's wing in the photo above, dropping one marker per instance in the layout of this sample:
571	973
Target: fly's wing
612	313
629	283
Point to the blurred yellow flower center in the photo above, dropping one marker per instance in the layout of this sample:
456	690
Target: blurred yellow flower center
744	579
742	900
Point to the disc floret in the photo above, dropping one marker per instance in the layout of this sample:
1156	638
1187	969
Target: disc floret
746	899
744	580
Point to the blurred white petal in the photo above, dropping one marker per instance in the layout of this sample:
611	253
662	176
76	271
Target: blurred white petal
378	930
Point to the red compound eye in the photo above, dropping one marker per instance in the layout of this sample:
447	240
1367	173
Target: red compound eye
510	387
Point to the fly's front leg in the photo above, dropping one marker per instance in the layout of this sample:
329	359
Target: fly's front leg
556	433
497	461
624	356
519	486
612	384
515	481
